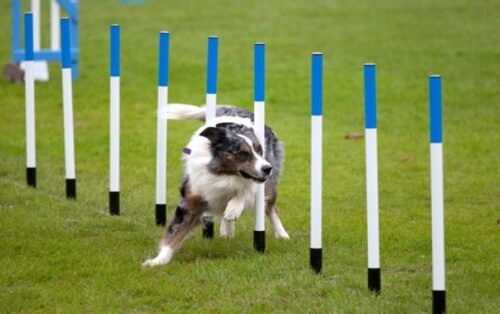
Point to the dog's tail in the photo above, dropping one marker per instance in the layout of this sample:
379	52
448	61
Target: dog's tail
184	112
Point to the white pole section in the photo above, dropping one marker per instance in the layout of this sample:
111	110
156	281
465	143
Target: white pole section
372	178
29	85
438	258
161	138
39	69
259	234
211	113
35	8
69	146
114	162
55	30
316	160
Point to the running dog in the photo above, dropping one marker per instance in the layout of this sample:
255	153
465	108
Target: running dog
224	164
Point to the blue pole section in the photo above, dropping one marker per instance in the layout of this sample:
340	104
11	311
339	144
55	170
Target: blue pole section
65	43
28	37
437	196
75	30
370	96
259	234
435	109
213	43
163	59
16	27
259	69
161	141
316	250
115	50
317	84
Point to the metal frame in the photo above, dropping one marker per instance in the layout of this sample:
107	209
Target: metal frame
71	8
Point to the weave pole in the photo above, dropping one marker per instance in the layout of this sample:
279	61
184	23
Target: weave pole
372	178
437	200
211	108
259	233
29	90
161	132
69	146
114	152
316	255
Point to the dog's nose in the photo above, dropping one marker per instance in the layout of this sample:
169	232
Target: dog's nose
267	169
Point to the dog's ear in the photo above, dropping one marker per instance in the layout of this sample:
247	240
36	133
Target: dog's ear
214	134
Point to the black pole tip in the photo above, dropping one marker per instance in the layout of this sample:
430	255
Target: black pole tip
71	188
316	260
259	241
208	227
438	301
374	280
31	177
161	214
114	203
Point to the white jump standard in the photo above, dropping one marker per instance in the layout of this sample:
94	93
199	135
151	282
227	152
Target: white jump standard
114	126
211	106
438	259
69	146
372	178
29	90
316	160
161	139
259	233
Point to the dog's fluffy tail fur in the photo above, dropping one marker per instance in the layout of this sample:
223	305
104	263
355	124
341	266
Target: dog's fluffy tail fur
184	112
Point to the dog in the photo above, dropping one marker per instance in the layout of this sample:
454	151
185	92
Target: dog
224	164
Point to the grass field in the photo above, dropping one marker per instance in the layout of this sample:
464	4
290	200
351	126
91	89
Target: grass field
71	256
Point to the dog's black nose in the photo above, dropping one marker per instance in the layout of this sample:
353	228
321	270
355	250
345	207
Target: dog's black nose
267	169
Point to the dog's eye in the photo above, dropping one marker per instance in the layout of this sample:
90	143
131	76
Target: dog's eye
242	156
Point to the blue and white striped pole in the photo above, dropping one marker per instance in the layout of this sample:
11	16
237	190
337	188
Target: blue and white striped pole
316	254
438	259
259	234
29	90
372	178
211	99
69	146
161	138
211	109
114	160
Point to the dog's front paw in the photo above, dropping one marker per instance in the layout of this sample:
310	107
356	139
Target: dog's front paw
163	258
282	234
226	228
231	215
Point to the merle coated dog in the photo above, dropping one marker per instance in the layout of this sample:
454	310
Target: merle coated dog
224	164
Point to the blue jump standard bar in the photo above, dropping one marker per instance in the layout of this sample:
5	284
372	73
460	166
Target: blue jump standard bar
259	236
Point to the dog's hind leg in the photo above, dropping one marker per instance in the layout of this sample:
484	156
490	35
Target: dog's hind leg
186	218
274	218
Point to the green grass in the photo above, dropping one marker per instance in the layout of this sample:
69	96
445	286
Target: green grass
71	256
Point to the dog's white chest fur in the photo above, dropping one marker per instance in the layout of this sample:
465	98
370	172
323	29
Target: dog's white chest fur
216	190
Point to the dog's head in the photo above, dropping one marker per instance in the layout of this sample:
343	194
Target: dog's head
236	151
